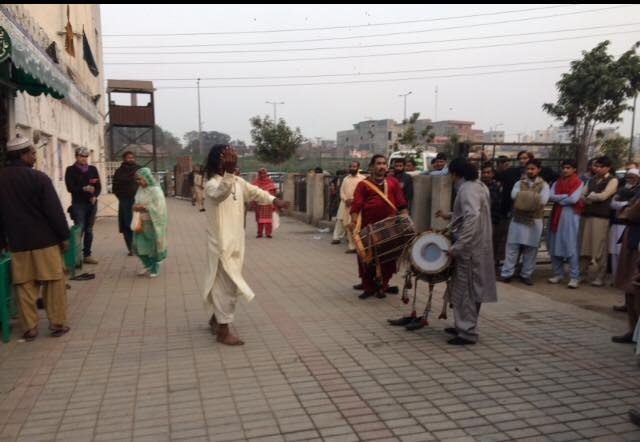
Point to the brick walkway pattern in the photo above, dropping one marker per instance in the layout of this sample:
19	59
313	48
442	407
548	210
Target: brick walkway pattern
319	364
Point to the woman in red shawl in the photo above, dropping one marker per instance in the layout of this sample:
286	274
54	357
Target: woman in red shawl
264	212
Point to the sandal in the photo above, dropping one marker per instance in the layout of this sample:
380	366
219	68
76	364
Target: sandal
30	334
83	277
58	331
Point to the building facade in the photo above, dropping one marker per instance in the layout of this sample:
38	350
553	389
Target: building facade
49	92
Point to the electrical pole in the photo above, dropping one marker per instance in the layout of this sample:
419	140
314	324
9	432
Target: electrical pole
405	104
435	113
199	121
633	121
275	104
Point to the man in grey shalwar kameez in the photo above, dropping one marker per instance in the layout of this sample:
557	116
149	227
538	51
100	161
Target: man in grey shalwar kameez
473	281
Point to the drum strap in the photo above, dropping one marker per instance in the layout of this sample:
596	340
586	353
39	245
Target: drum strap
356	237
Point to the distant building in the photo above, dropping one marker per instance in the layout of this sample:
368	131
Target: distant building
493	136
373	136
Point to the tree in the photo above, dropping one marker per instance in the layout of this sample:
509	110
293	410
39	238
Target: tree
275	143
562	152
428	134
409	136
616	149
595	91
208	139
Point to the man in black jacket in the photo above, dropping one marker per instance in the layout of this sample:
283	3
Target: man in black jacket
34	229
124	188
83	182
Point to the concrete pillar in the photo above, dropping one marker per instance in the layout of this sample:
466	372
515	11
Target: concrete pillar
310	196
289	190
421	207
441	191
317	207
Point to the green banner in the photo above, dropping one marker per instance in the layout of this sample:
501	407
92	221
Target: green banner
5	45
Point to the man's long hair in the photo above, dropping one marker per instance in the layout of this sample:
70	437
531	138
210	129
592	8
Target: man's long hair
464	169
213	166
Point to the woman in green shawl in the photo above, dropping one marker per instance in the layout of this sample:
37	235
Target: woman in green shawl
150	244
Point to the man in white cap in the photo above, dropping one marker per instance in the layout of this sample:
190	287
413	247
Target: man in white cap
34	229
83	182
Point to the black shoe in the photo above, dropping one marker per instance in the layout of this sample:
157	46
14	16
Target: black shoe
40	303
364	295
416	324
451	330
459	341
358	287
402	321
380	295
620	308
624	339
525	281
634	416
335	241
393	290
202	210
505	279
130	253
350	251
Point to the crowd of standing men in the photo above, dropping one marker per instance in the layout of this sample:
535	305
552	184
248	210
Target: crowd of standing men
594	222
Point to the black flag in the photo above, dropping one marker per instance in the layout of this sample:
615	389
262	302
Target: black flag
88	56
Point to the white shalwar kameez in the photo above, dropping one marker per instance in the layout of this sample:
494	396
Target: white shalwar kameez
225	198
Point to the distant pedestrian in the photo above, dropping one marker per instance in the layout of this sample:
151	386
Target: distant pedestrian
83	182
33	227
150	244
264	212
124	188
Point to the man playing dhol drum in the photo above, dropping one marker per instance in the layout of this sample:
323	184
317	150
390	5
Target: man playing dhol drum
473	281
376	198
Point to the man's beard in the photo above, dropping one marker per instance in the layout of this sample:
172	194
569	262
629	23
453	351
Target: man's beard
353	172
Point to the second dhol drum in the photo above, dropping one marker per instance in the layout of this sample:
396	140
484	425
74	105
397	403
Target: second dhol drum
429	257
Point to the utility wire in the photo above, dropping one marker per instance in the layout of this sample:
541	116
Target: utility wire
388	54
469	74
358	74
325	28
450	40
388	34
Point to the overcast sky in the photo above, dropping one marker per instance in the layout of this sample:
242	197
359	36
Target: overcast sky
335	65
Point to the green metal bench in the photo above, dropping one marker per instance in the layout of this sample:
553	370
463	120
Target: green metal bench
7	300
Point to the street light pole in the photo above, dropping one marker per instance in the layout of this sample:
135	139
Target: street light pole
405	103
275	104
633	121
199	121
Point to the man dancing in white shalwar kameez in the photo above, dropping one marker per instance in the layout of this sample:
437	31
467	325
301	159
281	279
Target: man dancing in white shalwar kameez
473	281
225	196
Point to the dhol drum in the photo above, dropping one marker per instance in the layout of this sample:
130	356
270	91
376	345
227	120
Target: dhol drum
385	240
429	258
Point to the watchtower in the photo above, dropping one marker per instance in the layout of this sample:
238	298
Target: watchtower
131	119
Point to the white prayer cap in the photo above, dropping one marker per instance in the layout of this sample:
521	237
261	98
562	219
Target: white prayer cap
82	151
18	143
633	171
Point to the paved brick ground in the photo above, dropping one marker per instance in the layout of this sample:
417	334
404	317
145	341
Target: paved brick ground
319	364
